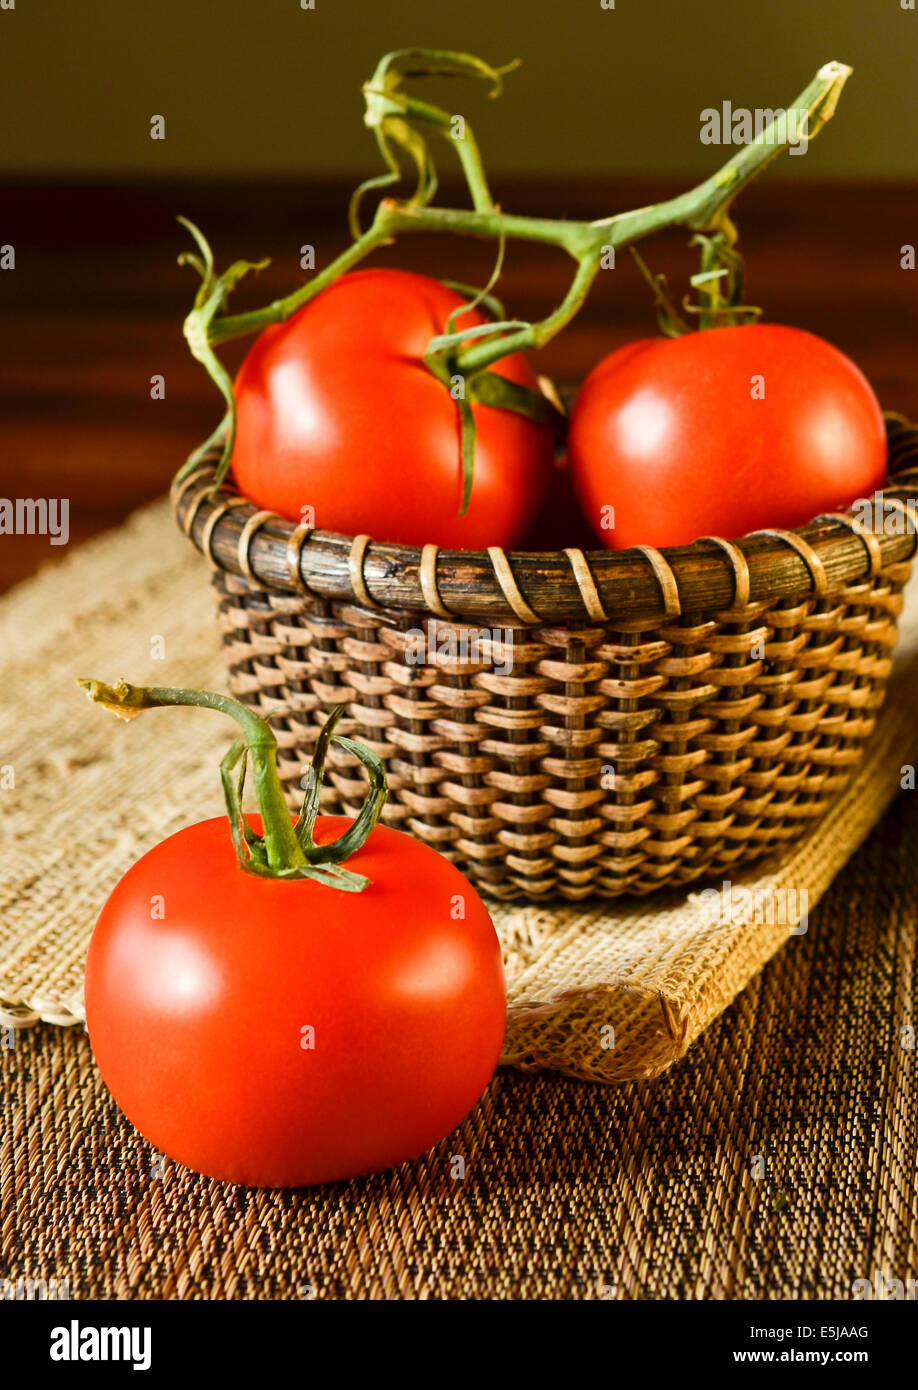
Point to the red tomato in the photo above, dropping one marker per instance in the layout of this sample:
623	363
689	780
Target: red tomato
199	1014
672	435
337	412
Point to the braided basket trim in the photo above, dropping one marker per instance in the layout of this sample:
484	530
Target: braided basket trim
639	586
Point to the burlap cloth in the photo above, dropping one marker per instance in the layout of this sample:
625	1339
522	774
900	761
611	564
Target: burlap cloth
607	992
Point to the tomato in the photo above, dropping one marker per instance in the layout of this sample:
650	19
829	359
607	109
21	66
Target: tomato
278	1033
337	412
722	432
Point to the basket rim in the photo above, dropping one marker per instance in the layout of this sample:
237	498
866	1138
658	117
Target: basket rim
633	588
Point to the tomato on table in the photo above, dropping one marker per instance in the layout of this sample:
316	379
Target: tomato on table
302	1021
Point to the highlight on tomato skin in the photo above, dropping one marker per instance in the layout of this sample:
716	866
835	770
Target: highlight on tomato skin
338	413
722	432
279	1034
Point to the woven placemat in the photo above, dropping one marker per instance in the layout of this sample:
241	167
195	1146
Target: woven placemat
778	1161
609	992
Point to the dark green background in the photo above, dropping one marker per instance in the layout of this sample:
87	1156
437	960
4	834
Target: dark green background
262	86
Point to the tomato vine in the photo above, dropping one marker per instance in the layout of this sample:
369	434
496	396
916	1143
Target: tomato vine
402	124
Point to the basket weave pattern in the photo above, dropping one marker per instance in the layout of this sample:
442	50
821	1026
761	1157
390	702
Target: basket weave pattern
583	757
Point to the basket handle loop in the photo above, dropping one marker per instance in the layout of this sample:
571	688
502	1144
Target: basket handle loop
427	574
907	509
589	593
870	542
254	523
509	587
177	490
207	534
669	586
194	506
355	561
740	566
294	555
807	554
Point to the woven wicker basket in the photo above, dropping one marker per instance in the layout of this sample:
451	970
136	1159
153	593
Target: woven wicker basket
583	724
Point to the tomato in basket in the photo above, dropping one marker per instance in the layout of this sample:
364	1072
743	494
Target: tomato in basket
721	432
339	420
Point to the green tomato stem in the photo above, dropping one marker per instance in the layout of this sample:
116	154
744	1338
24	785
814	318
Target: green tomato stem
235	326
283	850
701	208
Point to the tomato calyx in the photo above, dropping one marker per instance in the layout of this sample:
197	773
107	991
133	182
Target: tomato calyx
720	284
283	850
